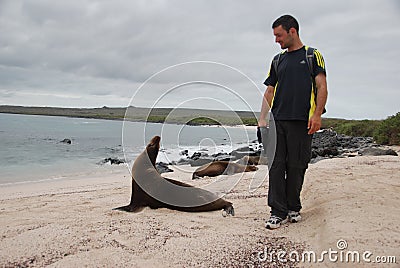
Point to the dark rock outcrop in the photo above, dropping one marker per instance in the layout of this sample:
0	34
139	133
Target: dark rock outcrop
325	144
163	167
113	161
241	152
66	141
377	151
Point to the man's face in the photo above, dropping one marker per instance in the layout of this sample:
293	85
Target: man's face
284	38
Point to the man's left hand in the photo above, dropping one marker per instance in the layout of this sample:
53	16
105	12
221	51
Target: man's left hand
314	124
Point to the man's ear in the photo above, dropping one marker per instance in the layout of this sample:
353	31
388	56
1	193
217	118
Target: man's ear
292	30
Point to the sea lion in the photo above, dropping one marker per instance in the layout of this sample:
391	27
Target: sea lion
221	167
150	189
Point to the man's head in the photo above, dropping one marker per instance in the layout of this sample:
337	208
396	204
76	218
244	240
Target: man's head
286	31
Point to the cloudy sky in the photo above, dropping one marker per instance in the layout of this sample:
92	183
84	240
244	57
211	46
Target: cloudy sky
199	54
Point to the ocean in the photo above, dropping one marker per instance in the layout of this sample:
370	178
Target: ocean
31	147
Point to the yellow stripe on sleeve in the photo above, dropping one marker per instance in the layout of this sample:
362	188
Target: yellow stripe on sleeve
320	59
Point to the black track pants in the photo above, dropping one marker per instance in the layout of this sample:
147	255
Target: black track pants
286	174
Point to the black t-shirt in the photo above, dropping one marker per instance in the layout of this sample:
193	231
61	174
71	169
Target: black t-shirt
294	96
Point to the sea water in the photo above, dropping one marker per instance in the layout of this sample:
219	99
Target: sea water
31	147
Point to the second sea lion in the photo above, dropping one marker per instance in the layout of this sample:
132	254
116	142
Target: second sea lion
217	168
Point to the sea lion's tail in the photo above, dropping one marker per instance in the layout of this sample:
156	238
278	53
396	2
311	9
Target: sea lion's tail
130	208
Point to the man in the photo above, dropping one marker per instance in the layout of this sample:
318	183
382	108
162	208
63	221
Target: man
297	110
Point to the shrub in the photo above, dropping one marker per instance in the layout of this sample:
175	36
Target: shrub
202	121
388	131
363	128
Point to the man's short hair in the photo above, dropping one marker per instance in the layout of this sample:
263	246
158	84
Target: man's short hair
287	22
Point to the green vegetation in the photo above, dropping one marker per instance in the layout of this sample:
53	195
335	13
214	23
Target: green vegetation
359	128
383	131
388	131
155	119
202	121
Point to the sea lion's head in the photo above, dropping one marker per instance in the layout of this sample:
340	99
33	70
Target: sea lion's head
152	149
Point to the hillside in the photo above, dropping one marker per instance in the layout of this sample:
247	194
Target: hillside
384	131
156	115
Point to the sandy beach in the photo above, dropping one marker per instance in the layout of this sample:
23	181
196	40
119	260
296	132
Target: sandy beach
349	204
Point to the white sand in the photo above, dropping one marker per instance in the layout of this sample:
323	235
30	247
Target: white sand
71	223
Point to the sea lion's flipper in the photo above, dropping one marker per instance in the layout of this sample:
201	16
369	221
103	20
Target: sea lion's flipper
130	208
195	177
229	210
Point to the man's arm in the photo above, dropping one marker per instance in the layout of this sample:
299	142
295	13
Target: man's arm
314	124
265	106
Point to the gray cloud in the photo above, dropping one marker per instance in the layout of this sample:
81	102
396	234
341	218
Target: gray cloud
96	53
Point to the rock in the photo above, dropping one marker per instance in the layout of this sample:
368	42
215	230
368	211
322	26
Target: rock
184	152
325	144
241	152
377	151
199	159
317	158
163	167
182	161
198	155
328	151
66	141
113	161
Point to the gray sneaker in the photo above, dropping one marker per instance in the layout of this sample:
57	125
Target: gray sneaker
294	216
275	222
